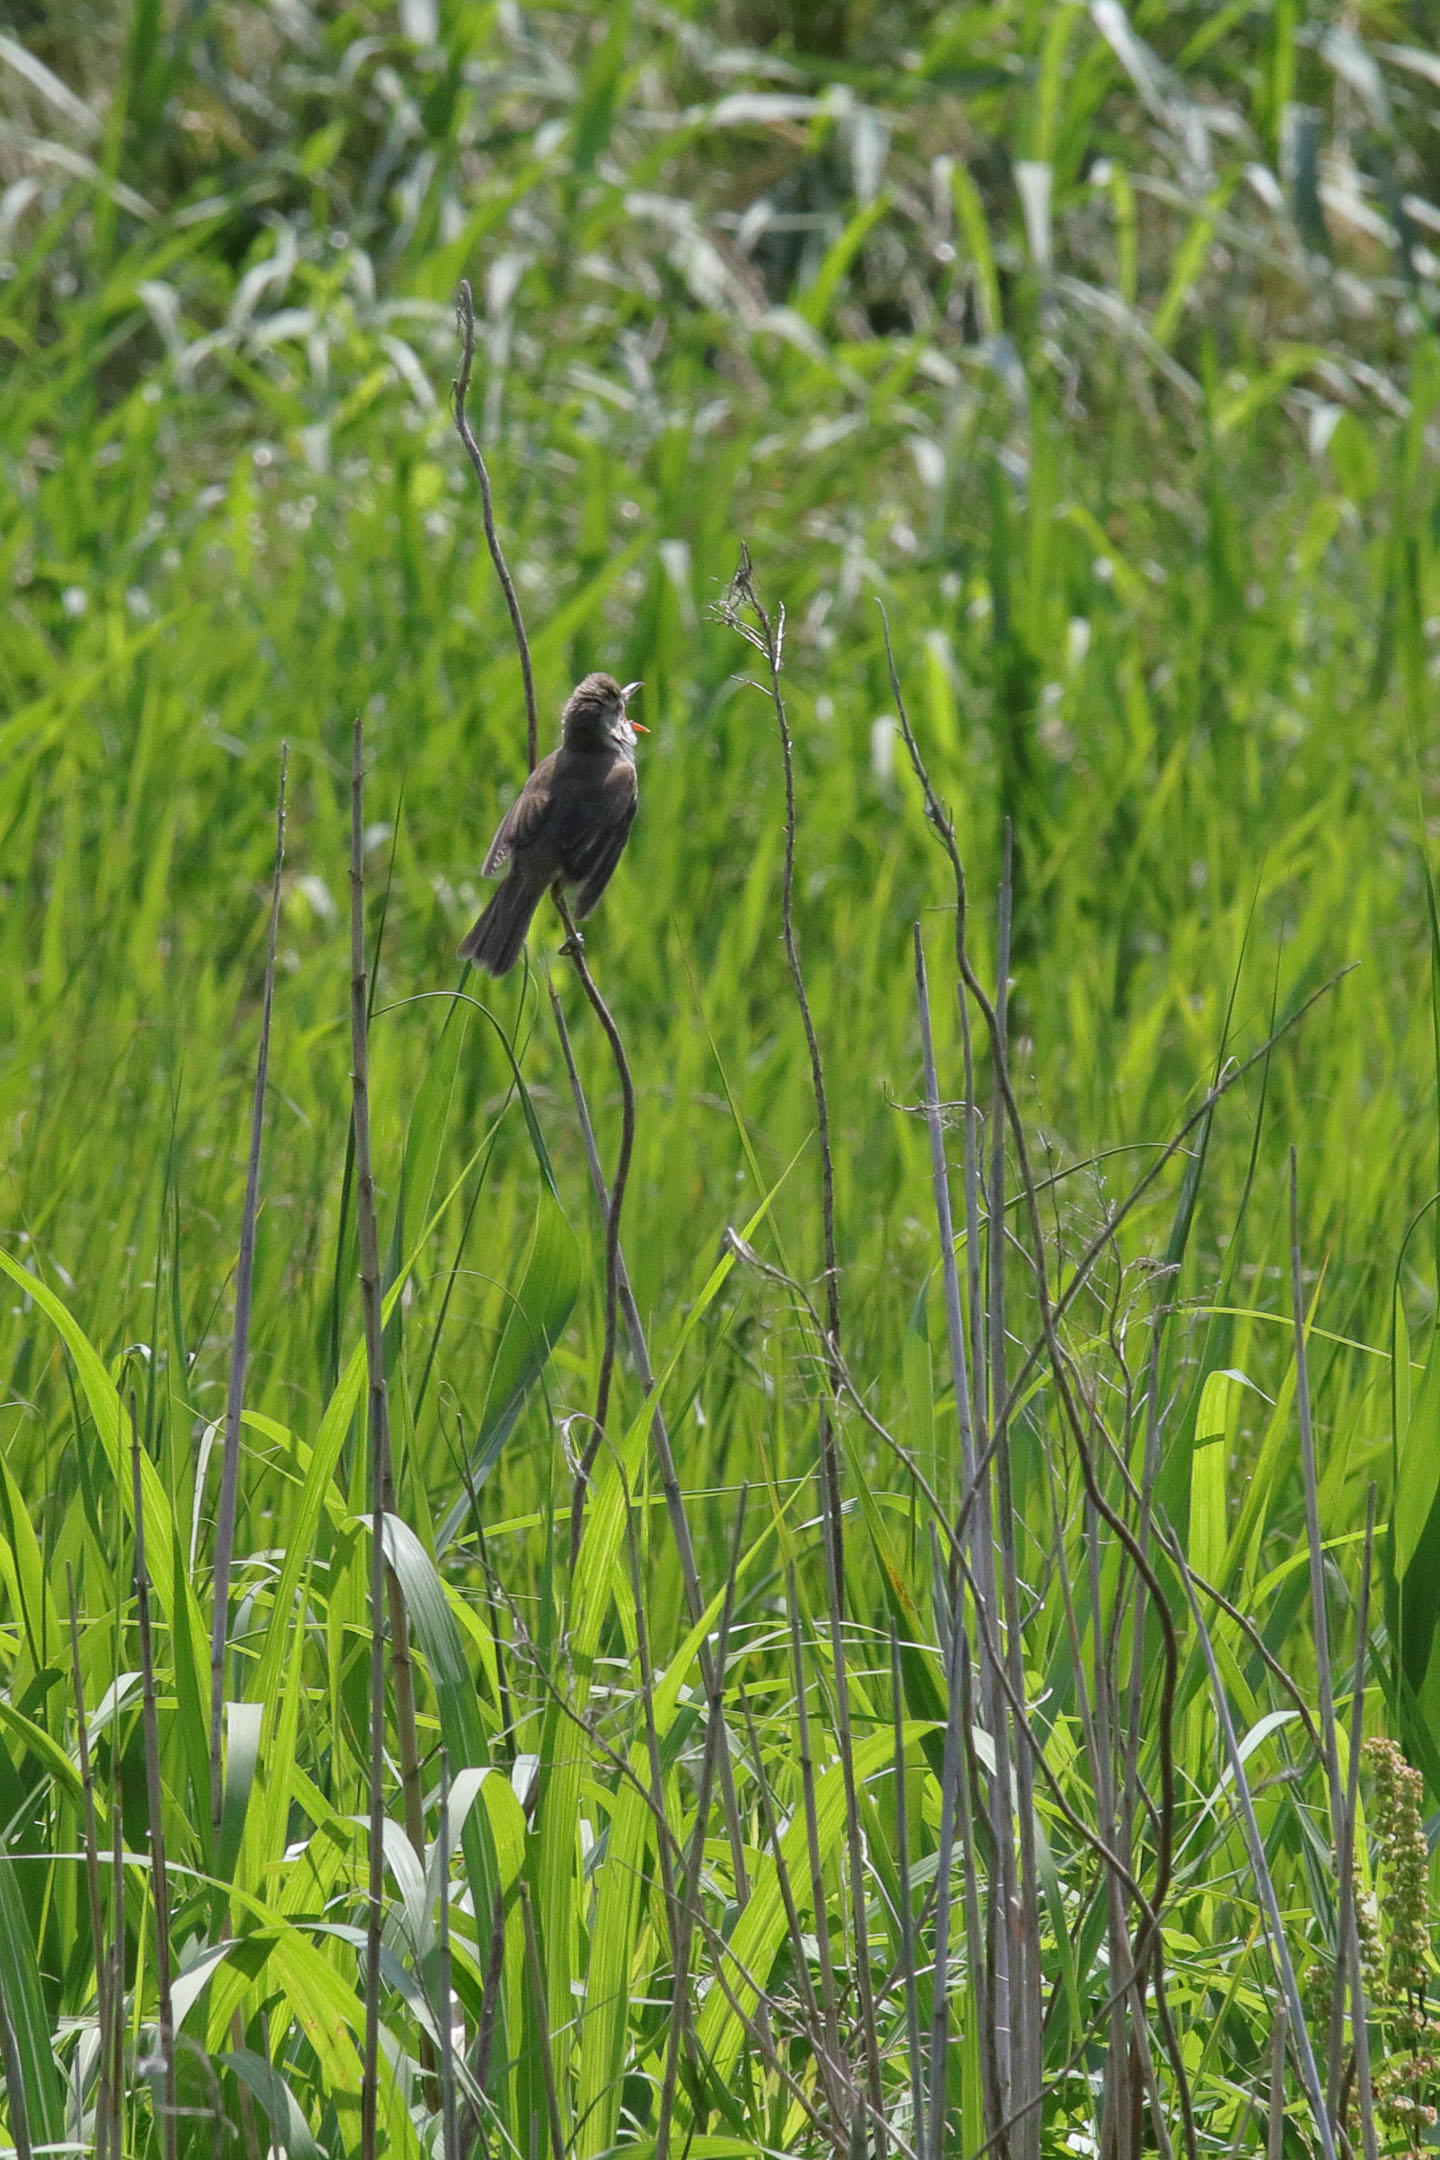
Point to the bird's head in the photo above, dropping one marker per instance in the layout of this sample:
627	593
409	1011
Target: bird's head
595	717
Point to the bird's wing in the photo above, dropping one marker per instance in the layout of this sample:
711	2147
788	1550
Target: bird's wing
523	820
591	866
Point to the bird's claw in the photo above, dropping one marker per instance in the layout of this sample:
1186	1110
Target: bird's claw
573	944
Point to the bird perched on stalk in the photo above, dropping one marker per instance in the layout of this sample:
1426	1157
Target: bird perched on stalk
569	823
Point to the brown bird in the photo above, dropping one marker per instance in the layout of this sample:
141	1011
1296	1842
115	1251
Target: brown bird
569	823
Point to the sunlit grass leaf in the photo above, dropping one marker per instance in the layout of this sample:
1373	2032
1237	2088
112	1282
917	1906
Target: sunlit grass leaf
242	1728
534	1321
105	1408
282	2111
25	2007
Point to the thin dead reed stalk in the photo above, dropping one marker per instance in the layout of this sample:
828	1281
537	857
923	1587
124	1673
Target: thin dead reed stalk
536	1978
766	635
1326	1689
1013	1935
159	1872
377	1426
909	1977
833	2080
1264	1880
240	1347
92	1871
812	1828
1349	1928
113	2042
450	2128
689	1889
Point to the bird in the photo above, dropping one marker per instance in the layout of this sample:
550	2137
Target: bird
569	823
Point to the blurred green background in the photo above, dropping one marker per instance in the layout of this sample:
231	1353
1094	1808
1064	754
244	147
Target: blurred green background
1097	347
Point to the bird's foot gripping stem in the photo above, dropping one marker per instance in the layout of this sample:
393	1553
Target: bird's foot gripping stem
574	944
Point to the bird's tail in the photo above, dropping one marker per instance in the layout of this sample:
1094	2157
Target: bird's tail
494	943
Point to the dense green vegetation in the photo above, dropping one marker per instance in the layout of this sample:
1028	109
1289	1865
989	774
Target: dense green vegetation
1098	348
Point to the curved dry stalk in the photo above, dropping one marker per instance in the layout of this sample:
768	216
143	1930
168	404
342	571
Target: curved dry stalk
574	946
659	1439
465	311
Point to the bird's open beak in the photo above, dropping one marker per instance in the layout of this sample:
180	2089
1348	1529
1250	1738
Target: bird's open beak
625	696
